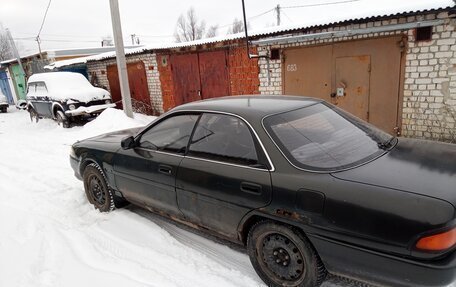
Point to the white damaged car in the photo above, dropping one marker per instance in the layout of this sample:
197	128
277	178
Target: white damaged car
66	97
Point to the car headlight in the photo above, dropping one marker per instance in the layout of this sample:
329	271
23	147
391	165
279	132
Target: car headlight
73	153
72	107
107	101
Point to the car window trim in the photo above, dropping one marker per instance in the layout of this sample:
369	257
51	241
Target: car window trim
258	153
159	120
270	168
314	170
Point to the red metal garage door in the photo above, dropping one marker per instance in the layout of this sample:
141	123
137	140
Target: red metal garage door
139	89
186	78
214	74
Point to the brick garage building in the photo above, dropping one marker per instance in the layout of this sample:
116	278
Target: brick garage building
396	71
142	75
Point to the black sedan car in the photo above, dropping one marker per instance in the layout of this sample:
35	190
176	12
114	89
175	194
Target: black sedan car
307	187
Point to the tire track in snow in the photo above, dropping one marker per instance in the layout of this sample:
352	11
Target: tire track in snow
222	253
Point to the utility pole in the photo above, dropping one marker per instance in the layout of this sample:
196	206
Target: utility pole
38	40
15	52
278	14
120	57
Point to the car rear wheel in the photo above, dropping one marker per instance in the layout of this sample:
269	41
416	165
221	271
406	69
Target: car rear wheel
62	119
96	188
282	256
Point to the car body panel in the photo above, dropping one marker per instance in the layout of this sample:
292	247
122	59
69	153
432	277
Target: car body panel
431	165
225	191
147	177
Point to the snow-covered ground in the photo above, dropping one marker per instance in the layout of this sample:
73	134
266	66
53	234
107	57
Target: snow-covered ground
51	236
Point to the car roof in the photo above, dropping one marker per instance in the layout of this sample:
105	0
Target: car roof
251	107
54	76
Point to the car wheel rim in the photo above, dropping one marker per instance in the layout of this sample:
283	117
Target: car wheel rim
97	190
281	258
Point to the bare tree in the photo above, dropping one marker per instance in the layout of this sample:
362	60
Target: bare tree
188	27
6	51
212	31
236	27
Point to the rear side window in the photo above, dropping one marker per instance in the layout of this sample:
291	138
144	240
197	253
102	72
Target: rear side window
223	138
171	134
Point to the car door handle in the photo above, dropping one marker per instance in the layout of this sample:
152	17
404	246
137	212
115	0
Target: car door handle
252	188
165	169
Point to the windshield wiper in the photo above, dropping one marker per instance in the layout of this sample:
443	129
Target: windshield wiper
386	144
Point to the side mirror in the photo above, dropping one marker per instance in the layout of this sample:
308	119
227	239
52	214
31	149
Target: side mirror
128	143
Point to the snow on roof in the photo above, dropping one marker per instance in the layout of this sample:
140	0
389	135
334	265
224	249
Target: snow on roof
362	11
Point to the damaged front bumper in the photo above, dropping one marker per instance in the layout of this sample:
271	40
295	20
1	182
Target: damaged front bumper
90	110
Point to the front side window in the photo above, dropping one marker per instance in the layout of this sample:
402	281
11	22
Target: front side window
319	137
223	138
31	88
171	134
41	88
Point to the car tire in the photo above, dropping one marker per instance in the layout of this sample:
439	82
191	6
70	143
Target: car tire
62	119
96	188
33	114
283	256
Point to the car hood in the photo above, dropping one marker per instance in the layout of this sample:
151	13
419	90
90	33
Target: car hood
417	166
115	137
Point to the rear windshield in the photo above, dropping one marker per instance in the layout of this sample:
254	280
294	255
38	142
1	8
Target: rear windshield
320	137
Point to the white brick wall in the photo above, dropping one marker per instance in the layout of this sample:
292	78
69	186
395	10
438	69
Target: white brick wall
153	77
429	102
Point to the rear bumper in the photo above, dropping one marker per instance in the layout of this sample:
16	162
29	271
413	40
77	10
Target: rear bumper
90	110
378	268
75	166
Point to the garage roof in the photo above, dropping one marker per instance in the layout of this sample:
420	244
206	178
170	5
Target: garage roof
364	12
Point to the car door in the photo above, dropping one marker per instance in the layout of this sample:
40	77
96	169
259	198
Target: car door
146	174
42	103
224	174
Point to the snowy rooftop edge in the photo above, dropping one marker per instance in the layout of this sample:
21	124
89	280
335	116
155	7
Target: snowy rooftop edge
397	10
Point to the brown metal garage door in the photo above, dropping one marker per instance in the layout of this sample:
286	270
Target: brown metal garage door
186	78
214	74
362	77
139	89
199	76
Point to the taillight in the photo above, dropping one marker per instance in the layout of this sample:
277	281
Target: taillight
438	242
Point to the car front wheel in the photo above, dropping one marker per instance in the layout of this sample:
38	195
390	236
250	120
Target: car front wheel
62	119
282	256
96	188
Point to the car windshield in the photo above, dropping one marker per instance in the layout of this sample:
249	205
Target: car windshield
320	137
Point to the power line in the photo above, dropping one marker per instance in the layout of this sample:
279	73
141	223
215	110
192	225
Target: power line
41	27
283	12
250	18
320	4
44	18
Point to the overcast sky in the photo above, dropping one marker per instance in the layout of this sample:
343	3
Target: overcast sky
83	23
